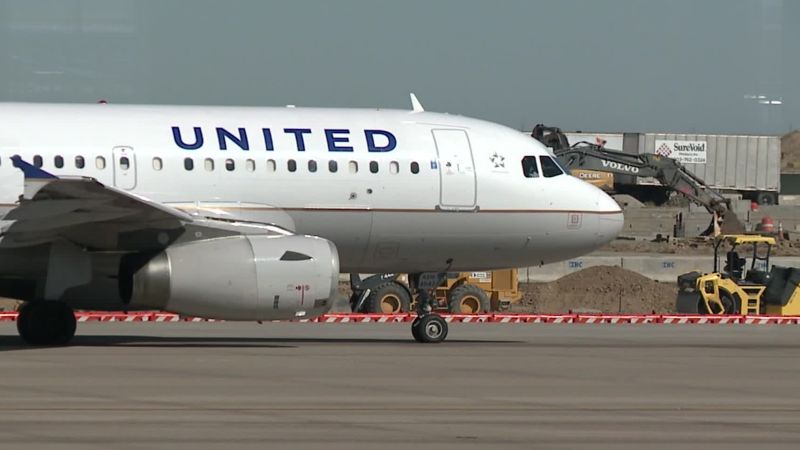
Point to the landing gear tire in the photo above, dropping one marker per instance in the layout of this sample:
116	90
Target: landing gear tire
415	330
429	329
388	298
468	299
46	323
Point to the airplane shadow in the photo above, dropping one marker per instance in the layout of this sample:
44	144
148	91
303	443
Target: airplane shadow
14	343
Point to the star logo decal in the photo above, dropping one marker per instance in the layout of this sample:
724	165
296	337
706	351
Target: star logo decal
499	161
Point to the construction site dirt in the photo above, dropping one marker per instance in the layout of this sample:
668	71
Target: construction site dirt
697	246
601	289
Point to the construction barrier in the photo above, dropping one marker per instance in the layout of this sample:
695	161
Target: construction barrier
674	319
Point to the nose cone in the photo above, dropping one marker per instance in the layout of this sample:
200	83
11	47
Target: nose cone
609	219
595	219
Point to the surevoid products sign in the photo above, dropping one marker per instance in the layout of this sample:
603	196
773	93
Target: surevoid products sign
687	152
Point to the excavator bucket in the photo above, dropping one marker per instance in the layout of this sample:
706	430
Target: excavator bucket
715	227
727	224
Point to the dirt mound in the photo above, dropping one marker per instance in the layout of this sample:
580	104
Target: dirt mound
790	152
602	289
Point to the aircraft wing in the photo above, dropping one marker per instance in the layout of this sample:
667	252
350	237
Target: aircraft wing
89	214
99	217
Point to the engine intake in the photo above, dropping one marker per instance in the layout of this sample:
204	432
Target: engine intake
241	278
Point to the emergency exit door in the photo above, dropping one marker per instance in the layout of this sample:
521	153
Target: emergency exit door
124	168
457	179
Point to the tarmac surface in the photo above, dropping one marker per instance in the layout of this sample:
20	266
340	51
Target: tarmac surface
347	386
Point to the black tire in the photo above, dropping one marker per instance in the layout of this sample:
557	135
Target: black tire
388	298
767	198
415	330
431	329
46	323
468	299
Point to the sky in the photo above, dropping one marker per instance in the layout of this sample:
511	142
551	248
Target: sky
706	66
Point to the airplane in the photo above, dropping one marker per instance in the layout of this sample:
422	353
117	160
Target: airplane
251	213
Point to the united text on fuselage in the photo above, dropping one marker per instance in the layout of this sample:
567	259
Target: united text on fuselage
337	139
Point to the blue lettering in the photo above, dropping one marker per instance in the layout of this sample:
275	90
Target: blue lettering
198	139
268	139
333	140
298	137
391	141
241	140
338	139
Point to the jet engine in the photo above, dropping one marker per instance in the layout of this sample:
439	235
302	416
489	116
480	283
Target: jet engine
241	278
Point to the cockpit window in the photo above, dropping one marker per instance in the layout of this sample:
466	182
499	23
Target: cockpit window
550	168
529	167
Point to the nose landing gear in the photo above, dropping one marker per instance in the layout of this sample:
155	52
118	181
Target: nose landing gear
428	327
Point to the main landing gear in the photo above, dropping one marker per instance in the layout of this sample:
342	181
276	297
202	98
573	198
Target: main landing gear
428	327
46	323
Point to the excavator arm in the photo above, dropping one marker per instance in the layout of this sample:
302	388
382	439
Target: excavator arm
668	172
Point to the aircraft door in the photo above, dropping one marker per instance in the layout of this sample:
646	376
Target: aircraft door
457	180
124	168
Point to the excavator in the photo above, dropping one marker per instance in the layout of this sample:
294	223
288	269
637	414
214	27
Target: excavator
670	173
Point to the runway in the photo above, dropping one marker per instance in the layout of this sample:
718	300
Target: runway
346	386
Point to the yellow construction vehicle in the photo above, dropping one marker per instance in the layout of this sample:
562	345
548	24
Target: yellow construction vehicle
459	292
475	292
737	288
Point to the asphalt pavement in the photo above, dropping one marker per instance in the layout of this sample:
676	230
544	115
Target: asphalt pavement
347	386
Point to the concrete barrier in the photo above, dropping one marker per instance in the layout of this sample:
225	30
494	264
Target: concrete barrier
664	268
550	272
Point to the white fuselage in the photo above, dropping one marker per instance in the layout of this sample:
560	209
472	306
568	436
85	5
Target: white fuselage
396	191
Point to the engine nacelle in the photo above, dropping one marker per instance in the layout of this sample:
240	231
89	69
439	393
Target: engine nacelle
241	278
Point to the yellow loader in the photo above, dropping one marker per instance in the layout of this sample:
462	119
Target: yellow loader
739	288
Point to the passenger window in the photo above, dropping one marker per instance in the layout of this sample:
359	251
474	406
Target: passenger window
529	167
58	162
291	165
37	161
230	166
209	165
80	163
312	166
353	167
158	164
415	167
271	166
250	165
373	166
394	167
550	168
100	162
188	164
333	166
